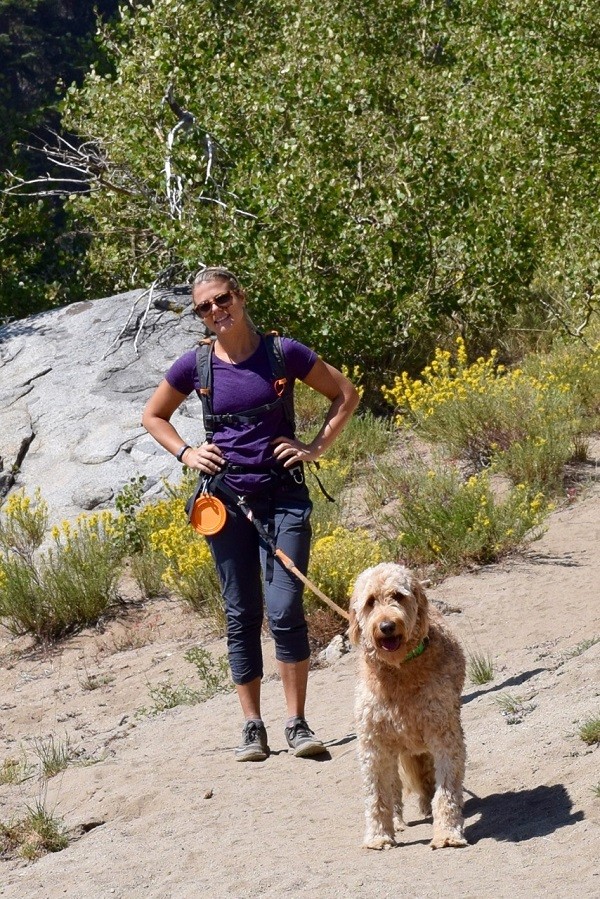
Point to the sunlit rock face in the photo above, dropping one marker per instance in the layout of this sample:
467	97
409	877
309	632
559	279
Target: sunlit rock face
73	385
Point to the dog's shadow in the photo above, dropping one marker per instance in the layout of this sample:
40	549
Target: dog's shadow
509	682
521	814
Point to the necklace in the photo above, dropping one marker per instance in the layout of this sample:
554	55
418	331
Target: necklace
241	356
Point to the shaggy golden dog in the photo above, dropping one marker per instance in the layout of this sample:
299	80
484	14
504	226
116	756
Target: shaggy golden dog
407	706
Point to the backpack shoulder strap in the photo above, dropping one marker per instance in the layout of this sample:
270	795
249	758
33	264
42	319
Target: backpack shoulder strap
205	380
281	382
276	355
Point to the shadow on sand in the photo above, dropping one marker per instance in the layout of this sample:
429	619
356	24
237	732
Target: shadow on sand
520	815
510	682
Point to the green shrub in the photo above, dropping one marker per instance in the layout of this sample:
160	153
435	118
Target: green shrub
336	561
574	365
188	566
127	526
538	461
148	569
214	673
432	169
132	535
364	436
70	584
166	695
437	517
335	477
526	421
23	525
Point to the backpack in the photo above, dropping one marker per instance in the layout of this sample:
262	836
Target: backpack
281	383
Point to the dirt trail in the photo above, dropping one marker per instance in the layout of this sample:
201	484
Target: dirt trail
166	812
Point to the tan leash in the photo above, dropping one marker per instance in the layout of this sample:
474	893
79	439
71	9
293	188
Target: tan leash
290	565
208	514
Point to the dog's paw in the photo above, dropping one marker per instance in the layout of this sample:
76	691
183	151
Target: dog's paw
381	841
399	824
425	807
448	841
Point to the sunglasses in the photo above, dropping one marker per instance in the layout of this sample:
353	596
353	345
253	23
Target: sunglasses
222	300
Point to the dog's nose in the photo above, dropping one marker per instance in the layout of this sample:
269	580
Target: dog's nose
387	628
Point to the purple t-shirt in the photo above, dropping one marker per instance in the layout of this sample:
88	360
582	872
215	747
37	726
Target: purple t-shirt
237	388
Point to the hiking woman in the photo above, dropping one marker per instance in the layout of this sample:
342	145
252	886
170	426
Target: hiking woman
253	451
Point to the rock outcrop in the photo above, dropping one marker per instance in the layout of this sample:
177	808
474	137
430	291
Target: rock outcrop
73	384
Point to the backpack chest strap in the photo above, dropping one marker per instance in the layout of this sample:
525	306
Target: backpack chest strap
281	385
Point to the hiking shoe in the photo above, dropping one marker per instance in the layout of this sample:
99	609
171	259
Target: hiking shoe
302	739
254	746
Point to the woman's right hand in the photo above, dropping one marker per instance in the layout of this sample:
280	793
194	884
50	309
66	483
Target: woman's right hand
207	458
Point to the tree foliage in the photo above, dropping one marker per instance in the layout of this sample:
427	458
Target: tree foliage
374	172
44	46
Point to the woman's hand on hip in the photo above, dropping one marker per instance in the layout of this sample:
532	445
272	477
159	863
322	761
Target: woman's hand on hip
207	458
290	451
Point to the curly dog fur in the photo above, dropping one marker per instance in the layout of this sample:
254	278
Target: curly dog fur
407	706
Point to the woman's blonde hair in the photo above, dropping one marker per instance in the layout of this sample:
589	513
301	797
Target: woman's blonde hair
216	273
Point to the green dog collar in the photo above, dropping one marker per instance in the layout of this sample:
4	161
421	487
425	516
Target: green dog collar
417	650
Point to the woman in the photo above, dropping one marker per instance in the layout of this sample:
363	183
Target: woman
261	460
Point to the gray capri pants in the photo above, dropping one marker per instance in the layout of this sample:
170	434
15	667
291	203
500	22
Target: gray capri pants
248	571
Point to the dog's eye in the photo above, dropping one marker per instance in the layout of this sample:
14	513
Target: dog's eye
370	602
398	597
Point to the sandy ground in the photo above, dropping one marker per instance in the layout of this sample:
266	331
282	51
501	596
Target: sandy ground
157	806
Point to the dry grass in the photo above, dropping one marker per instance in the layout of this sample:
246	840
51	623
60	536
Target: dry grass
14	771
53	755
480	668
590	730
32	836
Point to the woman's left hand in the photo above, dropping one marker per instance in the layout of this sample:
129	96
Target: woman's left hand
290	451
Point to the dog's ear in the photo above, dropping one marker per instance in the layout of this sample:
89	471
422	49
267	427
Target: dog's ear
353	628
422	625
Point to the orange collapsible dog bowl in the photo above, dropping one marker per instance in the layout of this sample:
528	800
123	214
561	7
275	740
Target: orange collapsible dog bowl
208	515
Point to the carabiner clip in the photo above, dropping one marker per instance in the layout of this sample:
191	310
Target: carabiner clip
297	474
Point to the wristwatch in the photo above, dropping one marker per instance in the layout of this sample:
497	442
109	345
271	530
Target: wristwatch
179	455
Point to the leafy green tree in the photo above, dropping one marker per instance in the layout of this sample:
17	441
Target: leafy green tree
44	46
375	172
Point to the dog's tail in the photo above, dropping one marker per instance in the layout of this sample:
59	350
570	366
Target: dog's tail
418	776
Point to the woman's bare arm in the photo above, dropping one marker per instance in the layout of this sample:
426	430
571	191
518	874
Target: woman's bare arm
330	382
156	419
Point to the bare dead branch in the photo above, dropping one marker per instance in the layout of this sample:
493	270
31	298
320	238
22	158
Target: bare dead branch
162	279
590	308
174	183
119	338
90	165
203	199
184	116
87	166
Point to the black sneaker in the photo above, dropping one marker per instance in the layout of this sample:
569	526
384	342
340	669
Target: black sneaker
254	746
302	739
